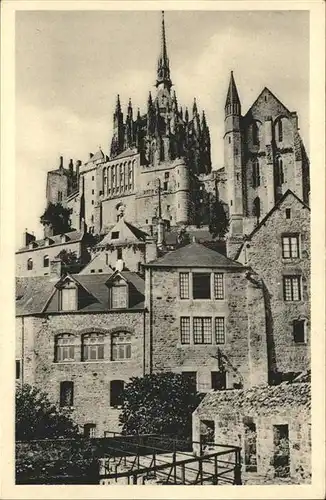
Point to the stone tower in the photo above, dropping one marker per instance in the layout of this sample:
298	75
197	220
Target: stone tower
233	149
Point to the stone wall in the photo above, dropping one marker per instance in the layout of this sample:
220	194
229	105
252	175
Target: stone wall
91	378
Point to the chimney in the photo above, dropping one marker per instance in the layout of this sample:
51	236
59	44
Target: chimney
71	168
55	269
61	162
27	238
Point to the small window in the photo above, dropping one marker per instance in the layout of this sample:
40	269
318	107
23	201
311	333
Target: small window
288	213
185	329
119	253
191	379
92	219
92	191
291	288
120	346
299	334
93	347
116	391
90	431
184	285
92	270
29	264
92	202
218	380
280	130
17	369
229	140
68	298
219	331
92	177
218	286
115	235
165	186
66	394
255	173
65	347
202	330
256	208
146	221
201	284
100	270
59	196
255	134
290	246
46	261
166	175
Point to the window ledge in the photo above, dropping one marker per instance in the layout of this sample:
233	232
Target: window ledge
107	361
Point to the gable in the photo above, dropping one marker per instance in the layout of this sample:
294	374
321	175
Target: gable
123	232
266	104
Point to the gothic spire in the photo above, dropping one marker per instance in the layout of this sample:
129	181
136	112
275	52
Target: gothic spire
163	69
118	105
232	104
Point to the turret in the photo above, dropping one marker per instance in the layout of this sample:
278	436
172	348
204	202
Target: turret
182	201
233	158
118	130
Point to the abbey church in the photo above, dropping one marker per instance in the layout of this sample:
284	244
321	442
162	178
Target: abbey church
142	302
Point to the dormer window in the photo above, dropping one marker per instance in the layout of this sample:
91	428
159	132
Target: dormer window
115	235
46	242
32	245
63	238
119	295
68	297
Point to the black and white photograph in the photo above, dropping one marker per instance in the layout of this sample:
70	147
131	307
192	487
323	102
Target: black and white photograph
163	247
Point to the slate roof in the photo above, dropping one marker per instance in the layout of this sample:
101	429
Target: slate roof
125	154
72	236
256	400
270	93
99	155
136	234
194	255
33	293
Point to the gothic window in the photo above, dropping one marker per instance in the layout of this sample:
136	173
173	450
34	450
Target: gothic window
46	261
116	390
121	179
29	264
256	207
279	172
65	347
66	393
255	173
105	181
255	134
130	175
93	347
120	346
280	130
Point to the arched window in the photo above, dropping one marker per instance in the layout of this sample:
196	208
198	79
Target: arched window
65	347
255	134
105	181
279	174
256	207
93	346
46	261
29	264
280	130
113	178
255	173
116	390
121	180
120	346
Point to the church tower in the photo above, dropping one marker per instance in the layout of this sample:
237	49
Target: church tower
233	158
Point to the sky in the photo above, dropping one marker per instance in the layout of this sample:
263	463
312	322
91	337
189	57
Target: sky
70	65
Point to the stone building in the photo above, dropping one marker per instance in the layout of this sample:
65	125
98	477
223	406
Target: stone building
80	338
271	424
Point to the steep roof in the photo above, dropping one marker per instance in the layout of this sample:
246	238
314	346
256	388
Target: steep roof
99	155
72	236
34	294
128	233
232	95
264	91
194	255
126	153
256	400
270	213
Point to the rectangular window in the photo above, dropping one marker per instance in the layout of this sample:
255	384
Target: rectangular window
185	329
119	297
218	286
17	369
218	381
90	430
165	186
202	330
219	331
65	347
191	379
66	394
201	285
119	253
68	299
299	331
291	288
166	175
290	246
115	235
121	346
93	347
184	285
288	213
116	392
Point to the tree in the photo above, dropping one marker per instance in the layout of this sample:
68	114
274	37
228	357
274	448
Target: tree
38	418
58	217
219	223
159	403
